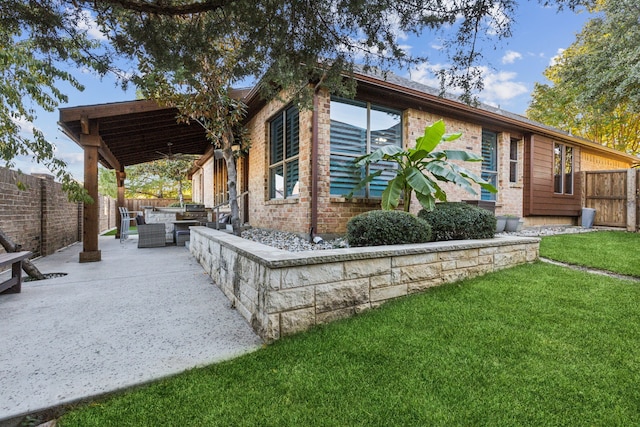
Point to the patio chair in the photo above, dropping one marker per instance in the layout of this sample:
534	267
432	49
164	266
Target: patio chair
125	222
151	235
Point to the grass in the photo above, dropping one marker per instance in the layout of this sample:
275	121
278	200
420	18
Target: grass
616	251
533	345
132	230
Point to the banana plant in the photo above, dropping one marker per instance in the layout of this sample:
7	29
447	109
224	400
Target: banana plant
420	169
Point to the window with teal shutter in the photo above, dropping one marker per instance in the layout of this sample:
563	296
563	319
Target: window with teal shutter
358	128
284	140
489	163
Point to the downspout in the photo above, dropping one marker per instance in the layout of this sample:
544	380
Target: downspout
314	166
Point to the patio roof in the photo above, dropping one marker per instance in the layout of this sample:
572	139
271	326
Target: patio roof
134	132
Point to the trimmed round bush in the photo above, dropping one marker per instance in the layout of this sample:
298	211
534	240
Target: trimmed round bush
376	228
459	221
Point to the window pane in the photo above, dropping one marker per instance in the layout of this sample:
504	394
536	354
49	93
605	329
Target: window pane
491	178
489	151
276	183
293	185
348	127
568	170
344	175
277	133
513	161
513	150
557	168
386	127
292	132
377	186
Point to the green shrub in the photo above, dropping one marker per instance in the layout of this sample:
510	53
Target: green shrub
459	221
377	228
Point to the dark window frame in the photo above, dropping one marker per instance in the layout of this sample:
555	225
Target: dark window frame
340	158
489	169
284	153
563	169
513	160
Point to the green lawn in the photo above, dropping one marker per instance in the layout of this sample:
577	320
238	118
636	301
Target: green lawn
616	251
132	230
533	345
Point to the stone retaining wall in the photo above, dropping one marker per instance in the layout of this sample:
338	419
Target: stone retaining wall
281	293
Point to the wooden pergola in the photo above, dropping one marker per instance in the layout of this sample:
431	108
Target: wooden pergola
123	134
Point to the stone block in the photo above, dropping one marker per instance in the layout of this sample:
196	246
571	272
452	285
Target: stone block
508	259
341	313
468	262
292	322
312	275
290	299
366	267
338	295
448	265
422	285
389	292
380	281
417	259
420	272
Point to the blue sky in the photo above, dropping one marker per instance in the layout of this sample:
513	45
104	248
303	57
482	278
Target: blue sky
512	69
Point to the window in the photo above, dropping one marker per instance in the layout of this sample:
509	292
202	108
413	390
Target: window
562	169
358	128
283	156
489	163
513	161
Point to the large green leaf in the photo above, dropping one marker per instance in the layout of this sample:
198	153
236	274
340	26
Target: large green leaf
432	137
391	194
379	154
465	156
419	181
427	201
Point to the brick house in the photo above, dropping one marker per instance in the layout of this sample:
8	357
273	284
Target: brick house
299	165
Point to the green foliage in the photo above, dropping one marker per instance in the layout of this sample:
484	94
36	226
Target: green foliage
36	40
595	92
107	185
459	221
377	228
165	178
420	169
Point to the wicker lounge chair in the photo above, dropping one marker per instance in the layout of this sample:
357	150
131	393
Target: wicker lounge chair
151	235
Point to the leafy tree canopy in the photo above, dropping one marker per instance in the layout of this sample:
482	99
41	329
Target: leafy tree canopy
595	91
188	43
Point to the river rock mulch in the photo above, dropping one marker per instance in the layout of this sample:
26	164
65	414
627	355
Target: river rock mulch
294	243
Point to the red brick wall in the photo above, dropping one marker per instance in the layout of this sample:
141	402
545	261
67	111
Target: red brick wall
39	217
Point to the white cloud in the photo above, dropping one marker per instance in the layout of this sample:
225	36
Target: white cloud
499	87
554	59
510	57
89	24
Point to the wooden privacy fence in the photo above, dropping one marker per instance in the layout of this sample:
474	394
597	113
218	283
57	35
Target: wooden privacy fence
615	195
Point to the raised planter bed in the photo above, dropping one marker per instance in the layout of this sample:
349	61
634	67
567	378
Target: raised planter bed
281	293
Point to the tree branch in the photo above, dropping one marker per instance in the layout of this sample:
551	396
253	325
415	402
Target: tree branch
166	9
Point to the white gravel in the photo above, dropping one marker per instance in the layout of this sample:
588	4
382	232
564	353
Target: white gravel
294	243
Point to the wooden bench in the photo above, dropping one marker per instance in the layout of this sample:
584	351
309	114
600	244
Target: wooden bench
14	284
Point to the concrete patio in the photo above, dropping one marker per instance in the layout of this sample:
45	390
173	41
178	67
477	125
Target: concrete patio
136	316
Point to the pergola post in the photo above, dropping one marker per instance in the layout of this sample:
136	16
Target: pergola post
90	142
120	177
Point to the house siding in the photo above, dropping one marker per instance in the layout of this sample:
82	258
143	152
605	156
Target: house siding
539	187
531	195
